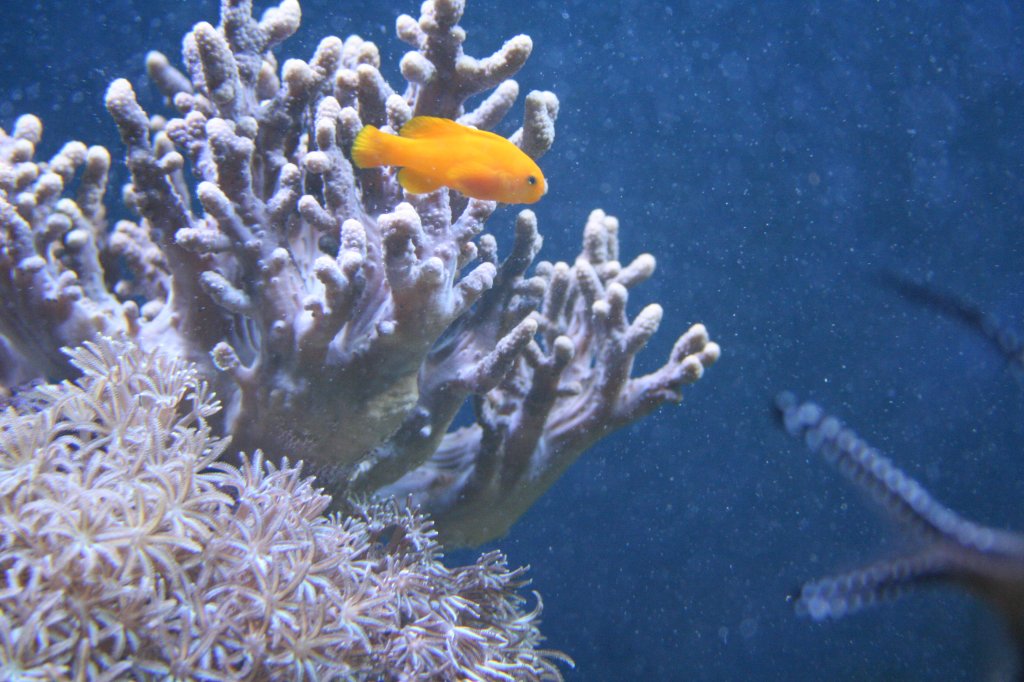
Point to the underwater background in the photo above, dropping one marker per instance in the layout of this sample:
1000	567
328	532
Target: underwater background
776	158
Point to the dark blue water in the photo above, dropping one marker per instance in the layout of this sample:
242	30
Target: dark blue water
775	157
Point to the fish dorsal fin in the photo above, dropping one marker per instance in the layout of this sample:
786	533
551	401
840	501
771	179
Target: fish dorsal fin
417	183
432	126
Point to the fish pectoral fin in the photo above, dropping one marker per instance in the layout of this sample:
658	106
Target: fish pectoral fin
469	171
417	183
473	179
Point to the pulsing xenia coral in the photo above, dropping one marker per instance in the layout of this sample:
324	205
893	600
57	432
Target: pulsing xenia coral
343	320
127	551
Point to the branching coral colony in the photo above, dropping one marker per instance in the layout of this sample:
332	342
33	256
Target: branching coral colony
341	320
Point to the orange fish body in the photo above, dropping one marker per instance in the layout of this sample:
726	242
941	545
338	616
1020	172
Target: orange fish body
435	152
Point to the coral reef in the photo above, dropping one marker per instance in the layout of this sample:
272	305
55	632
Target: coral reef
987	561
343	321
128	550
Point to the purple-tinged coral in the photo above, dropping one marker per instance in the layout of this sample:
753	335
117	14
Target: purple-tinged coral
52	291
343	321
128	551
539	409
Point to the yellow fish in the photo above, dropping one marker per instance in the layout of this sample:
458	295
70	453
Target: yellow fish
434	152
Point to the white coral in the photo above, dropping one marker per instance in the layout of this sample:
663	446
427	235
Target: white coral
128	551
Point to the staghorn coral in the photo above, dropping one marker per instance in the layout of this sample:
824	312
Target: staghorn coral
128	550
343	321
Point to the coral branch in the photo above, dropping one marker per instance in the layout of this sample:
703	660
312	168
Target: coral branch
557	399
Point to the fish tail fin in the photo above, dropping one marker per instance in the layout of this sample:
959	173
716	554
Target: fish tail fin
370	148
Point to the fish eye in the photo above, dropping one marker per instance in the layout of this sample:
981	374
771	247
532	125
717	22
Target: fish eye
532	180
